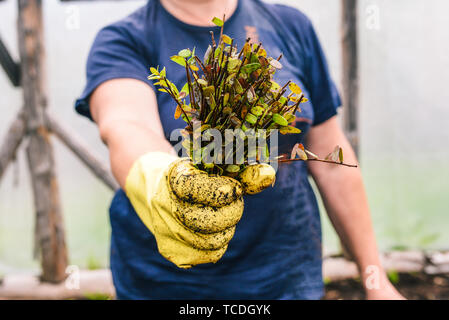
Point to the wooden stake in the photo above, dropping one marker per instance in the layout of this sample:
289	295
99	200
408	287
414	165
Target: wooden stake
350	81
49	231
82	152
11	143
350	72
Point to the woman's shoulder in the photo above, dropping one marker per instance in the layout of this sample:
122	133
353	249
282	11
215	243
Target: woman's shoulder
291	23
132	26
287	14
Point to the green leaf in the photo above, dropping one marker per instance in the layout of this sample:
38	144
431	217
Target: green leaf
205	127
226	39
267	151
217	21
154	77
233	168
185	53
192	61
173	88
185	89
208	91
202	82
208	165
227	110
226	98
275	86
179	60
250	118
254	59
163	83
207	55
238	87
289	117
186	119
217	52
257	111
280	120
295	88
250	67
300	96
154	71
233	64
289	130
282	100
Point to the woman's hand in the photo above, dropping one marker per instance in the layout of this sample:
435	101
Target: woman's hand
192	215
385	290
387	293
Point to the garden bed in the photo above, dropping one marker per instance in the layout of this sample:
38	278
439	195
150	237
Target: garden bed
413	286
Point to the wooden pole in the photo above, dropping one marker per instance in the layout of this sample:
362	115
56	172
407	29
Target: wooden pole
82	152
49	231
350	72
11	143
350	80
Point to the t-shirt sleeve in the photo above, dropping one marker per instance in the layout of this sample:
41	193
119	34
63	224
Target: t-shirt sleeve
115	53
323	92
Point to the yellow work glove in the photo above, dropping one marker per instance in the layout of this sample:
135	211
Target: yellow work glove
192	215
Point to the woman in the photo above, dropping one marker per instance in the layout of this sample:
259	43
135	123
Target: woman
276	250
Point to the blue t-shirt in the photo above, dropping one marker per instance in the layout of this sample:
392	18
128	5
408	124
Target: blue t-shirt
276	250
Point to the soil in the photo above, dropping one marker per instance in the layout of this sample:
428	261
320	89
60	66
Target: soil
413	286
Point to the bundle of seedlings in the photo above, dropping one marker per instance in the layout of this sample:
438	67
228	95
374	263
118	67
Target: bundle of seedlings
234	89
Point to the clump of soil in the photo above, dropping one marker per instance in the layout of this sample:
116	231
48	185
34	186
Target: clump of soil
413	286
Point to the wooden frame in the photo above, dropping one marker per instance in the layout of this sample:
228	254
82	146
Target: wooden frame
350	81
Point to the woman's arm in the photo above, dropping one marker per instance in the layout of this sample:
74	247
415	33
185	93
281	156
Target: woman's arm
346	203
126	113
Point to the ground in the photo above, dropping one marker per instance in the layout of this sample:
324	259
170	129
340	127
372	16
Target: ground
413	286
